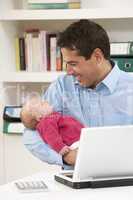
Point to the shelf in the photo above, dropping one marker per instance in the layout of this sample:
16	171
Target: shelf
35	77
66	14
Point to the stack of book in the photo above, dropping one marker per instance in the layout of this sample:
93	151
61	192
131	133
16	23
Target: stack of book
37	51
122	55
121	48
53	4
12	122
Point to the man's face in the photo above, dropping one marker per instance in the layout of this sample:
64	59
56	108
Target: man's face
86	71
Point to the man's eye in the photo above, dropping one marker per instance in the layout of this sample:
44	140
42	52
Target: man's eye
73	64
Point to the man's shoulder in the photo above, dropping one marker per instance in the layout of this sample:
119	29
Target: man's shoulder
125	81
65	81
126	77
66	78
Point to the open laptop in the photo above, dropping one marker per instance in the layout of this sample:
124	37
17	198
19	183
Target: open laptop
104	159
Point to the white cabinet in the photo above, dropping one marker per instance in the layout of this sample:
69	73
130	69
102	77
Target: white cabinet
19	162
1	159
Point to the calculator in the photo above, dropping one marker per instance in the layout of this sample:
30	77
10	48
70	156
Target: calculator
31	186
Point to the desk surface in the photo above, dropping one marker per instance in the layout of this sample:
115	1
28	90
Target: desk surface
59	191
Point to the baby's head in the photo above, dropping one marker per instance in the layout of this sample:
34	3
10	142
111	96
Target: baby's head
33	110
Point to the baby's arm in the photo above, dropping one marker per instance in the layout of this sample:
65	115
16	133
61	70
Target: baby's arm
64	150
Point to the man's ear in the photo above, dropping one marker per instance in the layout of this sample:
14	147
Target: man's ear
98	55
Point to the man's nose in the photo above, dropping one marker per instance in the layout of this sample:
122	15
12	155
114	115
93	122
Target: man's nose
70	70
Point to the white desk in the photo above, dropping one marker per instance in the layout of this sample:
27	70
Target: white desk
58	191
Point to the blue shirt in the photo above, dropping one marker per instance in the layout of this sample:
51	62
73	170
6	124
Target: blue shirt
109	104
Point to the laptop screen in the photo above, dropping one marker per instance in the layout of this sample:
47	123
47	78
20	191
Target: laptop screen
104	152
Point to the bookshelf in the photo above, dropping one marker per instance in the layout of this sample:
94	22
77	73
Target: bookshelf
29	77
65	14
13	21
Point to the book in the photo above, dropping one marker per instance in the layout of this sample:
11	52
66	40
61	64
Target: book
53	53
42	37
48	36
12	127
121	48
17	52
36	52
51	1
58	59
28	51
72	5
47	1
11	120
32	49
22	53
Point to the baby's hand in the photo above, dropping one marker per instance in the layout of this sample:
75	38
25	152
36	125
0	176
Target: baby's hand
64	150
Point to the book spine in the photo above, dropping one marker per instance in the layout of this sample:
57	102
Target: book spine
35	54
22	54
131	48
48	51
42	41
58	59
5	126
47	1
119	48
49	6
74	5
28	45
73	1
17	54
53	53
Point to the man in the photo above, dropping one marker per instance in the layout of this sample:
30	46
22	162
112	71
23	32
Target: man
94	90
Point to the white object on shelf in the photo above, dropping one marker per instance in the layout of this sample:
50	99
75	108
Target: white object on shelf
15	128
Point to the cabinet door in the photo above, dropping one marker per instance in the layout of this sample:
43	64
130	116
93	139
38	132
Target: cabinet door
19	162
1	160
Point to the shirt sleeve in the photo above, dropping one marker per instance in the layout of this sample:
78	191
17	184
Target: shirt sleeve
40	149
54	96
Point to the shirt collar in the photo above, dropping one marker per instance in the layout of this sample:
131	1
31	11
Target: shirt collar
110	81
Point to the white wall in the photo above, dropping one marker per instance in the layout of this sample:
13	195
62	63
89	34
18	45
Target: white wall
1	160
17	162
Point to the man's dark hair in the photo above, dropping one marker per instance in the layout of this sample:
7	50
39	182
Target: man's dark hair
85	36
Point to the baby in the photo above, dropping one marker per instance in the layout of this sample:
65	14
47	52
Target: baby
61	132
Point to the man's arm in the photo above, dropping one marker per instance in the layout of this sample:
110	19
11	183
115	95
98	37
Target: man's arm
32	140
40	149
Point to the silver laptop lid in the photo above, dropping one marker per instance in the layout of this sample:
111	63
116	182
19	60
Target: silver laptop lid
104	152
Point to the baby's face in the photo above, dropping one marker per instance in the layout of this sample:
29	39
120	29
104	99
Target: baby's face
43	109
46	109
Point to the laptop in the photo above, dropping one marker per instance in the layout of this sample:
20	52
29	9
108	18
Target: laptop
104	159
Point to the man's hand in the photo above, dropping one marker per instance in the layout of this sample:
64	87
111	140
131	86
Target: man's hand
70	157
